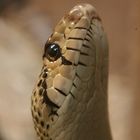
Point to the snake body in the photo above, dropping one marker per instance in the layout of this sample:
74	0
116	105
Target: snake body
69	101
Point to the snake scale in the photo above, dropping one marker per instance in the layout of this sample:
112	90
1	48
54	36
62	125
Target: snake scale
69	101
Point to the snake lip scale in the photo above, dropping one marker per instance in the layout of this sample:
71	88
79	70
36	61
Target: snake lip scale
69	101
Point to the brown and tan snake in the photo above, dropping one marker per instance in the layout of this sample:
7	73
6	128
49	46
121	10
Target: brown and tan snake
69	101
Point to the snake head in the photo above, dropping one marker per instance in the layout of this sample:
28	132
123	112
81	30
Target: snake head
69	64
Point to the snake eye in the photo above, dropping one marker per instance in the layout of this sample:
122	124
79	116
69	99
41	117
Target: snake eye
52	51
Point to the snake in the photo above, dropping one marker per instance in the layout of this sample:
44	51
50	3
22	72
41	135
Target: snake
69	100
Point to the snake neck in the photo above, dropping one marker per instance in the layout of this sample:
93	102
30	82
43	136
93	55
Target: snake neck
83	116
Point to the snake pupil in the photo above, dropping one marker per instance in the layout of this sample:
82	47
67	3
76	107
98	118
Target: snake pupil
52	51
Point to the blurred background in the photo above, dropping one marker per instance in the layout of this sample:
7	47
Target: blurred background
24	28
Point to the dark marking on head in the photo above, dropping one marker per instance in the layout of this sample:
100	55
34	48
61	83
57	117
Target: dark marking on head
34	108
52	119
34	93
89	35
82	53
87	39
35	100
47	126
75	38
36	118
74	85
65	61
39	83
89	30
40	91
42	123
47	101
44	85
64	36
39	113
80	28
81	63
44	75
44	134
61	92
73	49
45	70
32	112
76	74
85	46
40	130
72	95
53	112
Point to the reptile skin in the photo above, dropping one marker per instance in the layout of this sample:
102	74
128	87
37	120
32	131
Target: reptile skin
69	101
